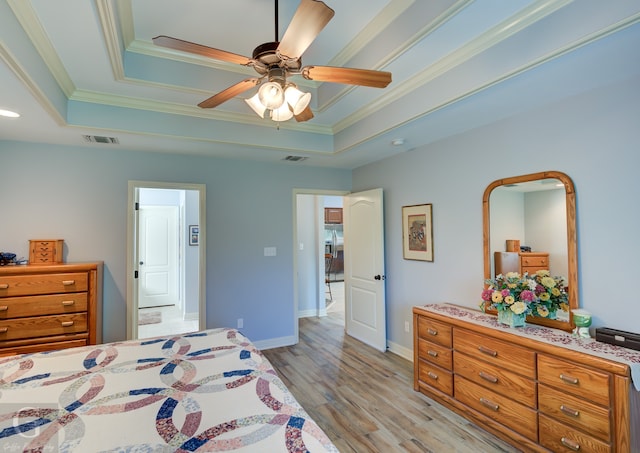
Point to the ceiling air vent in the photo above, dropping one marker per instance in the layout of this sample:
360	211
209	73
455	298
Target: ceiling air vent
101	139
295	158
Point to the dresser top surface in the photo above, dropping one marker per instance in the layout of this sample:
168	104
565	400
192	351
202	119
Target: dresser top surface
18	269
547	335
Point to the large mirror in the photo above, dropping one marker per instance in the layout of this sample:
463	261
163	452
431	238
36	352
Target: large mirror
535	212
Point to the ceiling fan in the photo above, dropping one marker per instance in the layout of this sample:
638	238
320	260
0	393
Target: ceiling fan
276	61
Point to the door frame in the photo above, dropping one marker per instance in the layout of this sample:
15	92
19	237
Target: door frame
132	267
296	192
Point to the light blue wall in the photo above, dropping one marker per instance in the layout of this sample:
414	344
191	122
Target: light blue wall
593	138
80	194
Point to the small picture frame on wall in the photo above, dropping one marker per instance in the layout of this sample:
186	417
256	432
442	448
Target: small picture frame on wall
417	232
194	235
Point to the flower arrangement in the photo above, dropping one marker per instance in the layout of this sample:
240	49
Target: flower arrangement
551	294
538	295
509	292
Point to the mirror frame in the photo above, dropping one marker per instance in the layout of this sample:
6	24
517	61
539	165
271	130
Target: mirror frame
572	243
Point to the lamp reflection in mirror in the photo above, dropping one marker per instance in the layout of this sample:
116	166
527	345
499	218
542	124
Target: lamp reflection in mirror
283	104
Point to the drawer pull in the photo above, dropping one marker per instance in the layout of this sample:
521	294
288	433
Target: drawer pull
491	405
4	308
68	282
67	303
570	444
432	375
569	379
569	411
488	351
488	377
66	323
4	285
4	329
432	332
432	353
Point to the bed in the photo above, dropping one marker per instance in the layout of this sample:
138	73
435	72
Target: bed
205	391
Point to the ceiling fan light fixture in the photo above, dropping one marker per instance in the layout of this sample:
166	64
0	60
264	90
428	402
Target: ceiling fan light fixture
271	95
296	99
256	105
283	113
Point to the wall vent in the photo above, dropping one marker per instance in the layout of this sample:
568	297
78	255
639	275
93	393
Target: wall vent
101	139
295	158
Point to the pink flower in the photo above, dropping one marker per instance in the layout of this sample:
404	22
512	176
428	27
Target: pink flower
486	294
506	292
527	296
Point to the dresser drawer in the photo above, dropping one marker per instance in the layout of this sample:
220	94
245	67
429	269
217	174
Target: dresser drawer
435	377
561	438
434	331
534	261
20	307
575	412
435	353
515	358
578	380
497	407
505	382
27	285
41	326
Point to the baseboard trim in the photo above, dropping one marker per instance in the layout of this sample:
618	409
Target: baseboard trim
312	313
193	316
275	342
400	350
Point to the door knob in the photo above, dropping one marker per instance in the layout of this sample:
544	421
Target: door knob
141	262
379	277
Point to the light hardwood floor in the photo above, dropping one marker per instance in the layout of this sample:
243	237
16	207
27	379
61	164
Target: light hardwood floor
364	399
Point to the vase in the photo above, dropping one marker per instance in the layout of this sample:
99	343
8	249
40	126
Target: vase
510	318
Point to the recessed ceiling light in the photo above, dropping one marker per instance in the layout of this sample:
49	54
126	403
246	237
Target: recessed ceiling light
397	142
9	113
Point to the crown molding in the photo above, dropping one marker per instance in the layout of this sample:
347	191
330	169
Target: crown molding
31	85
537	11
28	19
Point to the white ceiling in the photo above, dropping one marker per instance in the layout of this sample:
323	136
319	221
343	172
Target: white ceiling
80	67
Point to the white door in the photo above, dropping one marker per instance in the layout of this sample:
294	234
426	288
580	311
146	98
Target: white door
365	311
158	255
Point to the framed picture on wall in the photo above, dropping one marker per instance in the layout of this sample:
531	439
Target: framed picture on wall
194	235
417	232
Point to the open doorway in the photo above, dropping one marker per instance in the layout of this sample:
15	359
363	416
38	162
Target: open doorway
166	259
333	240
319	260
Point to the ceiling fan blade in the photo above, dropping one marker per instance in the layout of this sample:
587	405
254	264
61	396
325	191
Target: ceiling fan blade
308	21
229	93
349	76
199	49
305	115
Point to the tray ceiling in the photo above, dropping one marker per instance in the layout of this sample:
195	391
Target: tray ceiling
90	69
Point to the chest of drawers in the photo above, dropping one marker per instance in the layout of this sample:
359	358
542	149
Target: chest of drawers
521	262
46	251
52	306
534	394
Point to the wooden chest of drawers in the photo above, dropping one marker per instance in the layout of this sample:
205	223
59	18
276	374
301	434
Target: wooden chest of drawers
535	395
521	262
46	307
46	251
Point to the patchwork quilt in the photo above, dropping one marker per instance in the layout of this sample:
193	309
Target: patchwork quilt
205	391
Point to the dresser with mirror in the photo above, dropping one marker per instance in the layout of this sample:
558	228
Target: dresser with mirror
539	387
